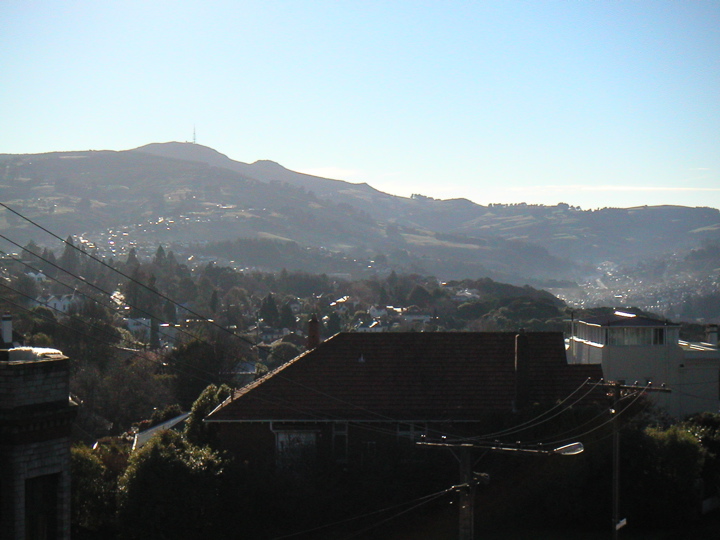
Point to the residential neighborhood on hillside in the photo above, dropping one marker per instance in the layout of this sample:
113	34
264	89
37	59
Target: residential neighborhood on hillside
245	347
265	389
321	270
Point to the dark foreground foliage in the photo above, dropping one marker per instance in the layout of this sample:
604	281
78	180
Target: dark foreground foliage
179	487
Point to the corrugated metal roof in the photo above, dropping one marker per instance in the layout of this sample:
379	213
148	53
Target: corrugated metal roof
621	319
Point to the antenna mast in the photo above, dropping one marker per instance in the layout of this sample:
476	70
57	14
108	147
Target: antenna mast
194	138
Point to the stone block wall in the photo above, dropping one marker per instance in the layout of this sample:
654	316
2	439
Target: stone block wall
23	462
34	382
35	421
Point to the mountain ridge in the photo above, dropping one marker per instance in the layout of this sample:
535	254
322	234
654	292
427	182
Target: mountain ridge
209	196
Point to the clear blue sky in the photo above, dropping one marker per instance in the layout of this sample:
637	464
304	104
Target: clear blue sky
591	103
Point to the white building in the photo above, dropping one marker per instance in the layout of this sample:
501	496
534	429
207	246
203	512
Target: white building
60	303
632	349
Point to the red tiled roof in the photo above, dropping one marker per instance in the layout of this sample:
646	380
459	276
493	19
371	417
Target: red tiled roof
441	376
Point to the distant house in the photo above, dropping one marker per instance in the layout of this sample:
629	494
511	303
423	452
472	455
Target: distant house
377	311
466	295
38	277
414	318
244	372
632	348
342	305
139	326
268	334
358	394
372	326
59	303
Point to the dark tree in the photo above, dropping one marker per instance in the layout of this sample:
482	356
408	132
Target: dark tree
214	302
132	261
281	353
287	317
92	493
419	296
333	324
269	312
170	490
160	257
199	363
70	260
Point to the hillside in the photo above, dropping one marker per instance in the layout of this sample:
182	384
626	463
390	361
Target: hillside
586	236
184	194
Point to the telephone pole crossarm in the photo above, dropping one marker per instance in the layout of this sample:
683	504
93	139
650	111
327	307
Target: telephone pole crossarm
566	450
469	479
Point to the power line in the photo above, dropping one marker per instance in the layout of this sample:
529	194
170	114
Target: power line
275	373
183	331
82	320
104	342
421	500
316	414
616	414
130	278
71	274
534	422
418	505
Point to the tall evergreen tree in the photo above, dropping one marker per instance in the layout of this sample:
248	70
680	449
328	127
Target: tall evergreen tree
269	311
70	260
214	301
287	317
160	257
29	253
132	261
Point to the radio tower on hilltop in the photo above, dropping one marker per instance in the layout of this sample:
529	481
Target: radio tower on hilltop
194	138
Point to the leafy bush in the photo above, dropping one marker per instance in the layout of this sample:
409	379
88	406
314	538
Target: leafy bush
171	490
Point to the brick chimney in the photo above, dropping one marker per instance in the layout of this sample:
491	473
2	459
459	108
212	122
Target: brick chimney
522	371
313	339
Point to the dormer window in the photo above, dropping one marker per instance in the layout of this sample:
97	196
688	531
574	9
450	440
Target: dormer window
636	336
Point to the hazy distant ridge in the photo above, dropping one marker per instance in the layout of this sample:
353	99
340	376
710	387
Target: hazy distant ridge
209	197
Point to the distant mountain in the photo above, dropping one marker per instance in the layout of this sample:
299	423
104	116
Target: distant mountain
588	237
361	195
184	193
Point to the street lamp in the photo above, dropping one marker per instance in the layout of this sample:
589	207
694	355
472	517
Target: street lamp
571	449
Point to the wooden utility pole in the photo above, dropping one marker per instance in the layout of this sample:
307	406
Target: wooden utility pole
617	524
616	390
467	495
470	479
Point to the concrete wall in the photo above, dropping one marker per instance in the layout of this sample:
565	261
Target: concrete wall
694	382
